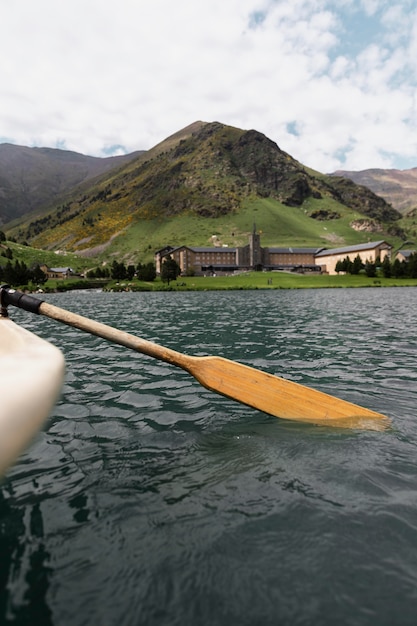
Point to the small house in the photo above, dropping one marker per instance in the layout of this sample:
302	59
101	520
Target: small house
404	255
57	272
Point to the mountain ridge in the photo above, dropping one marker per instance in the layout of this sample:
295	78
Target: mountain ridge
398	187
31	178
206	179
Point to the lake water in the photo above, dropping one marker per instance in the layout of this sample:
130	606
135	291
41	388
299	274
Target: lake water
148	500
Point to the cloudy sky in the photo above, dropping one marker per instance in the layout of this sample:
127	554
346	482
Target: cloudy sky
332	82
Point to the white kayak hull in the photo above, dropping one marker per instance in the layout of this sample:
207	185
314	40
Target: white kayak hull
31	377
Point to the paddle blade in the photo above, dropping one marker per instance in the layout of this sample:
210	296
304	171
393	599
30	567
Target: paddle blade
279	397
262	391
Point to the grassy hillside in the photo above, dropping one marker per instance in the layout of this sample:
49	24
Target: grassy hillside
209	184
35	256
277	224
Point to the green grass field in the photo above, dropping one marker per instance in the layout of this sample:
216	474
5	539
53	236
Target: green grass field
262	280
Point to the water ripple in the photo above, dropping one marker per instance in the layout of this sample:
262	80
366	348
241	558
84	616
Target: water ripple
149	499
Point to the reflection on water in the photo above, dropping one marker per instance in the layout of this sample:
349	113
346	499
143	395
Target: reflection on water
150	500
24	573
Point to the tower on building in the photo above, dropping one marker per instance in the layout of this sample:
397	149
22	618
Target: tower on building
255	250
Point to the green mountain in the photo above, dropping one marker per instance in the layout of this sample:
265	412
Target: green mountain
207	185
34	178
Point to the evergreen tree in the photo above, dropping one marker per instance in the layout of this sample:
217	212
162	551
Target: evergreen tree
22	273
346	265
398	269
170	270
146	272
8	273
99	272
357	265
412	266
370	269
17	274
386	267
38	276
130	272
118	270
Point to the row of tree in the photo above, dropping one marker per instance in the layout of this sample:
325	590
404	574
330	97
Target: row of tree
18	273
394	269
170	270
119	271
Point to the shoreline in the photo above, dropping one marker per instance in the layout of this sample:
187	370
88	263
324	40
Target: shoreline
262	281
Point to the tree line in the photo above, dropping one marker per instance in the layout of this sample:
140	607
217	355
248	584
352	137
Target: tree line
388	268
119	271
18	273
170	270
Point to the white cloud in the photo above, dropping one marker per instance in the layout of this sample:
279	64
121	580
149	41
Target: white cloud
372	6
89	75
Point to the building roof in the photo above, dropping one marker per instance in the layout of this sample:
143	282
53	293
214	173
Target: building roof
295	250
59	270
406	253
213	249
164	249
371	245
204	249
317	252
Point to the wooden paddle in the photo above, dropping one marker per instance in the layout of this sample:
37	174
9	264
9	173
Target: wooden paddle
260	390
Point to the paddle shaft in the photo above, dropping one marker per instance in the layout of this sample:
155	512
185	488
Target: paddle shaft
260	390
116	336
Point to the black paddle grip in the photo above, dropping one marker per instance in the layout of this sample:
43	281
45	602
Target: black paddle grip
18	299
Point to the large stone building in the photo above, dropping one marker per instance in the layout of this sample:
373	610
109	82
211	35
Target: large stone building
371	251
225	260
